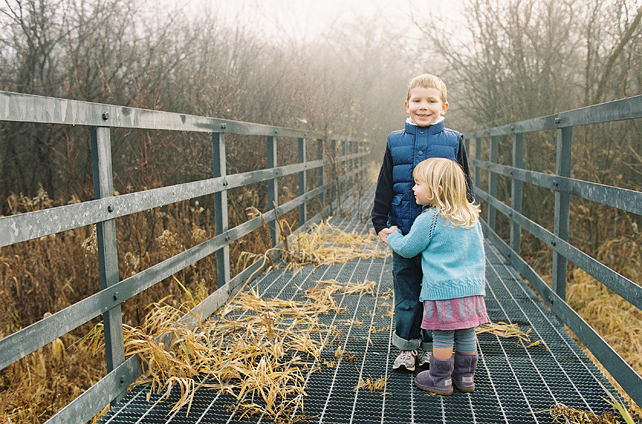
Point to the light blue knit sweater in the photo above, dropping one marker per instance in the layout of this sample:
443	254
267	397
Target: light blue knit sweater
452	258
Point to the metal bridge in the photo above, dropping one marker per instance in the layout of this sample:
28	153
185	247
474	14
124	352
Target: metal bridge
515	383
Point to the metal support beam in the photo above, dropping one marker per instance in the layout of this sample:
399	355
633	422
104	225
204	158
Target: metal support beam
562	207
303	209
273	193
478	149
321	179
219	169
516	192
492	182
107	245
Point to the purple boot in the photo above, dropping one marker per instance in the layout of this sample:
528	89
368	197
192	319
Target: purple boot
438	379
464	372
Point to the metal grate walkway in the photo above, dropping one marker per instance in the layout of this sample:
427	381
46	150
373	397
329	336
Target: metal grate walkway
514	384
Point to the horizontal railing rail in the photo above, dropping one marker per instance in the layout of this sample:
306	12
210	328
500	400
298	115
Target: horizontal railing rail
346	168
558	240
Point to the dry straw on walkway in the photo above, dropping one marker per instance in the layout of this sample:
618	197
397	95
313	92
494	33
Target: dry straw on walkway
257	350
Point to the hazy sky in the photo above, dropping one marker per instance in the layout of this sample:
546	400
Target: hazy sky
305	19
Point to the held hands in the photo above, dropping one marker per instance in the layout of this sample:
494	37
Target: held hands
383	234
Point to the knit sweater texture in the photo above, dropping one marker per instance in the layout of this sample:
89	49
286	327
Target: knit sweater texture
452	257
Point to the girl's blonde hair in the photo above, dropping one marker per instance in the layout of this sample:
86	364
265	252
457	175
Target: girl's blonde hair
447	182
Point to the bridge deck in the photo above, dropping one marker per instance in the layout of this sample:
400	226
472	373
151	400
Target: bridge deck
515	384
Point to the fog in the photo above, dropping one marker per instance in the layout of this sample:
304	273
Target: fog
333	66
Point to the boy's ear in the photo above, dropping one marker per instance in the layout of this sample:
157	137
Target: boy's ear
444	108
405	103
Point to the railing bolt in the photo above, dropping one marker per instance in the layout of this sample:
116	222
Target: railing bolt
115	295
110	208
122	380
558	120
223	126
105	116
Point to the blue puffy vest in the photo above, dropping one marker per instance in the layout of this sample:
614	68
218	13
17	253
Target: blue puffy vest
408	147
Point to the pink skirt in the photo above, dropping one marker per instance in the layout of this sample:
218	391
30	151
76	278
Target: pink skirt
454	314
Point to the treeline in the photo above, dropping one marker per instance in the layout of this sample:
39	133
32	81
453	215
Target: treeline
503	60
134	53
512	60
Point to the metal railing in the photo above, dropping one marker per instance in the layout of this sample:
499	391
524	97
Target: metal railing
564	187
346	167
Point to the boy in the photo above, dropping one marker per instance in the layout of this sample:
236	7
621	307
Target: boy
424	136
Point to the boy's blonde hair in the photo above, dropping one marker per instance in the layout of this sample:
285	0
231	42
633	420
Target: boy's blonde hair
447	182
428	81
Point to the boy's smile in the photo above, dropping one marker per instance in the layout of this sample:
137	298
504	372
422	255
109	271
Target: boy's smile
425	106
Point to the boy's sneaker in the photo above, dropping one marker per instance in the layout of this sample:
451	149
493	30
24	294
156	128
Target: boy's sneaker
406	359
424	359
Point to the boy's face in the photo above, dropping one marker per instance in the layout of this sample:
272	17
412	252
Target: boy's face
425	106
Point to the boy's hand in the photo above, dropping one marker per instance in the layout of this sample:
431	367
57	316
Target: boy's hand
383	234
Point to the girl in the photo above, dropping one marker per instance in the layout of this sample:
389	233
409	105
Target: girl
449	237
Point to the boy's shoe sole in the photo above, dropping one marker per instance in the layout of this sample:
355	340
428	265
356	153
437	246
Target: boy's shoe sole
403	367
409	363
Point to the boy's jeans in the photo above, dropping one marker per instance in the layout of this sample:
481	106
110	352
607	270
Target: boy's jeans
407	275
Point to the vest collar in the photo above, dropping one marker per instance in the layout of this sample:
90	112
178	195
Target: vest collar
432	129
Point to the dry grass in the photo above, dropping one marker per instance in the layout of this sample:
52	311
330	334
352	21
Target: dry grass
616	320
34	388
564	414
372	384
560	411
46	275
324	244
256	350
505	330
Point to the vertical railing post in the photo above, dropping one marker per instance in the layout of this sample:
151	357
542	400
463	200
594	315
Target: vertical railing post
516	192
492	182
334	174
219	169
362	162
477	182
350	165
562	208
344	168
322	171
273	194
356	149
107	245
303	209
